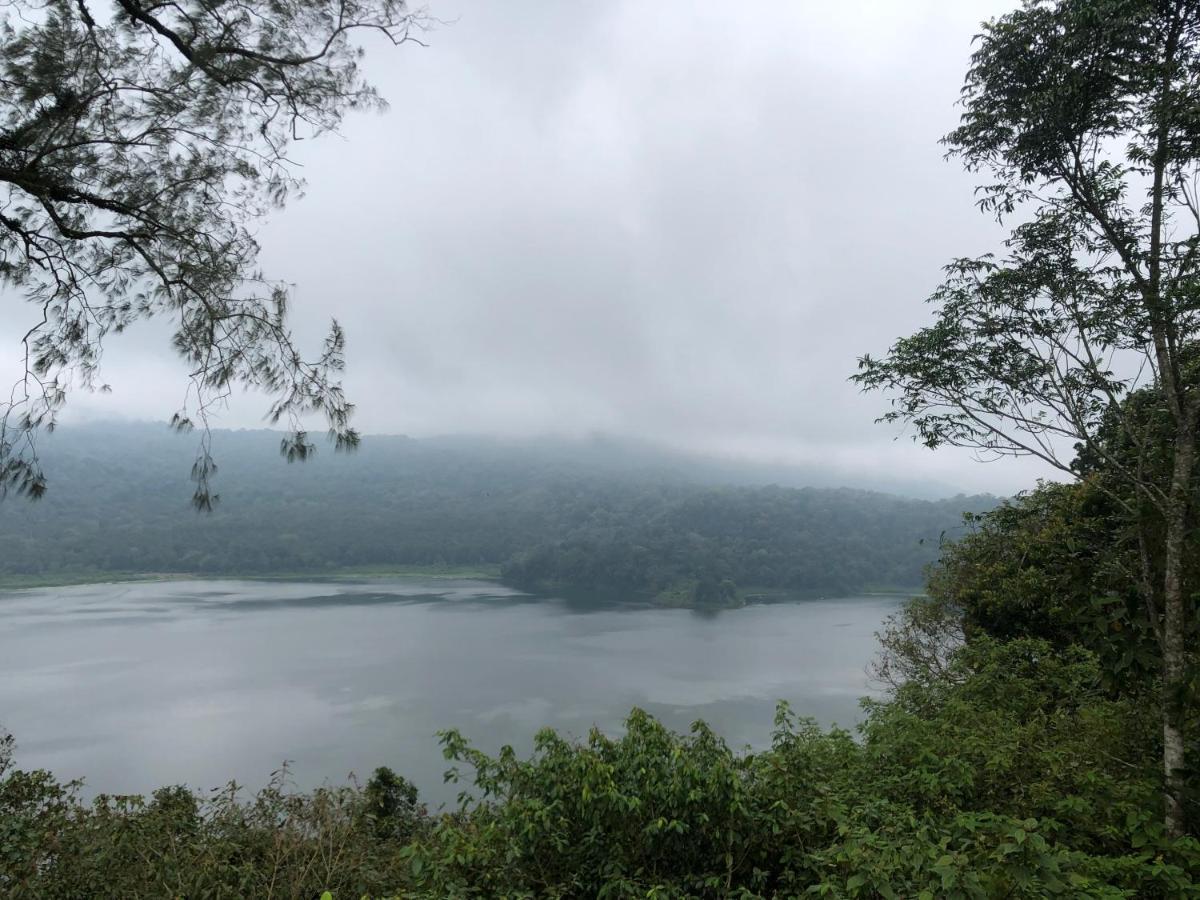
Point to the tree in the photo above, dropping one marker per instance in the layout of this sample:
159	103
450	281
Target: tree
1083	115
1056	564
138	144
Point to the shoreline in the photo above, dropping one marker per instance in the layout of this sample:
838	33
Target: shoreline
749	597
449	573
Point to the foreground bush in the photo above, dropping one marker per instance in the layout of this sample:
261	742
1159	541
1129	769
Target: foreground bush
179	844
1017	776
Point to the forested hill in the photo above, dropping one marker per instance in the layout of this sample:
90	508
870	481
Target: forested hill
590	515
708	546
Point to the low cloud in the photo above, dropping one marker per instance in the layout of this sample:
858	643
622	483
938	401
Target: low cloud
674	221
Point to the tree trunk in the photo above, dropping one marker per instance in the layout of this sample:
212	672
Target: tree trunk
1174	627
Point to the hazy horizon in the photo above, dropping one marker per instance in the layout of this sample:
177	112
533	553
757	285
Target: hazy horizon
624	450
667	224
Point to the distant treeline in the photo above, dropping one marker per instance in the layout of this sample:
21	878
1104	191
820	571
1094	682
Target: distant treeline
554	515
707	545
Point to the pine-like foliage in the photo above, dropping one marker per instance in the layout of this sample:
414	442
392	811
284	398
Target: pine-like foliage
139	143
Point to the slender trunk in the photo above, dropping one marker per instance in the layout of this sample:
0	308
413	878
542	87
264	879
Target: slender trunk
1174	627
1176	508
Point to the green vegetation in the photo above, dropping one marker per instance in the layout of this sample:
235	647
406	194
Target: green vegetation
712	547
1015	755
1079	343
546	517
999	767
1041	737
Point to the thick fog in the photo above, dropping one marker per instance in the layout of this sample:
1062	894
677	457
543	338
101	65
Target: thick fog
676	221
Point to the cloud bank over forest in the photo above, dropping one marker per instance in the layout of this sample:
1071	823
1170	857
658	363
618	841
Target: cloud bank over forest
677	222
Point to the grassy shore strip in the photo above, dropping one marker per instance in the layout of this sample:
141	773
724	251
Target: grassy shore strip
381	573
757	594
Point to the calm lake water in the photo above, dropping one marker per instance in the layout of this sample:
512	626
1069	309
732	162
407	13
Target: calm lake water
137	685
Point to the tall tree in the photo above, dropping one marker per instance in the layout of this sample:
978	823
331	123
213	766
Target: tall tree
139	142
1083	115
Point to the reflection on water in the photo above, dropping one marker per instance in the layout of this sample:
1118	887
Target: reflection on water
138	685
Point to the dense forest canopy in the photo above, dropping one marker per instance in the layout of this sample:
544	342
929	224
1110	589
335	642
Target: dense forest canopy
593	515
702	545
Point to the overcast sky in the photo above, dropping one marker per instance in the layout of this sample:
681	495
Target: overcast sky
676	220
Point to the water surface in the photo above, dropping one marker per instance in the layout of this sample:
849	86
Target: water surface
137	685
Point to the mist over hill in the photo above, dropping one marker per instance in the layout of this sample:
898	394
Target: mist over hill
555	513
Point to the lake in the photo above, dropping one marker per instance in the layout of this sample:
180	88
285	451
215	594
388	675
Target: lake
137	685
